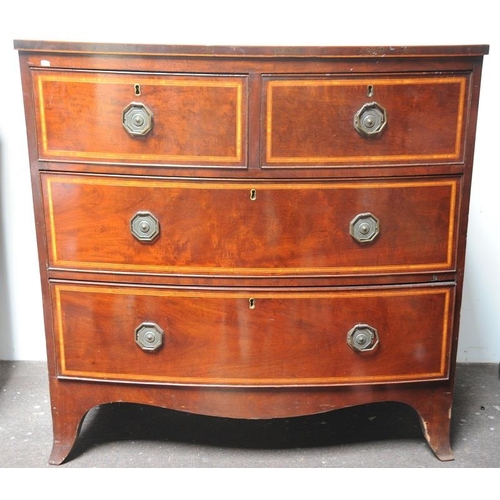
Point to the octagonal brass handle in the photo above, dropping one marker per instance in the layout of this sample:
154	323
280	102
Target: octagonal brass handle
137	119
364	228
144	226
149	336
362	337
370	119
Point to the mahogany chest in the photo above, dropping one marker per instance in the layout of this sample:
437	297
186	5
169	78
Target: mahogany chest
251	232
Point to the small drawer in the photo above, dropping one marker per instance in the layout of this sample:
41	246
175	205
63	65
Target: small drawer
261	338
344	121
211	228
146	119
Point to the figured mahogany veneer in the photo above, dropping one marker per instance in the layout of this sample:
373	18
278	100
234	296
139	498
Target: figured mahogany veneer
81	124
213	227
431	108
206	325
251	232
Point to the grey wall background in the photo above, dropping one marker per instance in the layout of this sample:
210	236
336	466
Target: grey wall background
245	23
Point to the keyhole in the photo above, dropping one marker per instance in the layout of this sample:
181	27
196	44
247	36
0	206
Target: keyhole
370	91
251	303
253	194
137	89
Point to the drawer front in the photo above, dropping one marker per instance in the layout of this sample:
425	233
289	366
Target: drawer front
239	229
310	121
263	339
217	228
141	118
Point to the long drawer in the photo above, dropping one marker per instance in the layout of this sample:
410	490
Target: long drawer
144	118
250	229
260	338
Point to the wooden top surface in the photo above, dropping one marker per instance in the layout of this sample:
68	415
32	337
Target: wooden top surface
251	51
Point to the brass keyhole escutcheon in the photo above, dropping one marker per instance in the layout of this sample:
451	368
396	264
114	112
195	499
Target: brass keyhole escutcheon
137	89
251	303
253	194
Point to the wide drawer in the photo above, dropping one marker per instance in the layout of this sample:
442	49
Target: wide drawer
262	338
402	119
213	228
141	118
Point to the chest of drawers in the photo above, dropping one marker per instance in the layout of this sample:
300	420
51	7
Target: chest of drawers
251	232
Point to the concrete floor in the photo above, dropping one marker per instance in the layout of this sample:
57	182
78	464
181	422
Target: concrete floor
132	436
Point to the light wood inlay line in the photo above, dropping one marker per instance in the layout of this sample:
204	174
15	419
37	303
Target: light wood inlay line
452	155
96	79
239	295
57	262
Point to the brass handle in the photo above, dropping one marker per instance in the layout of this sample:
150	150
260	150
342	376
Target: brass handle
362	337
370	119
137	119
364	228
144	226
149	336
